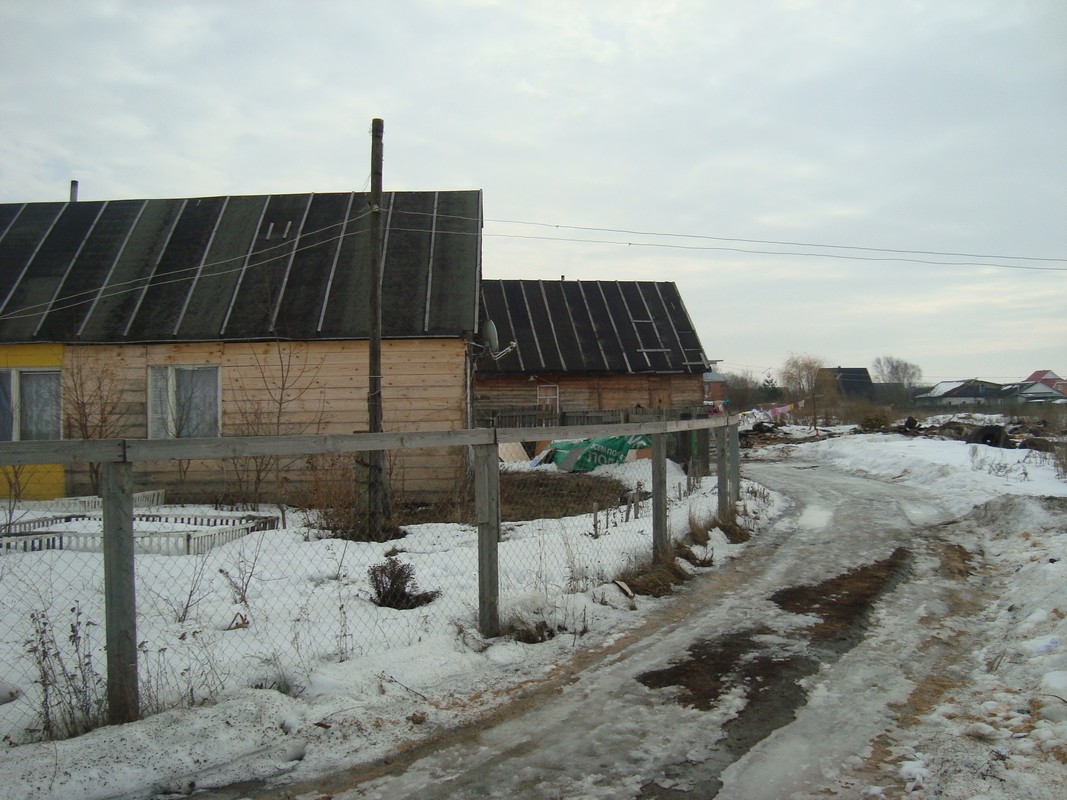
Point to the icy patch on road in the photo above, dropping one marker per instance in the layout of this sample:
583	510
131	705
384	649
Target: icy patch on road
815	518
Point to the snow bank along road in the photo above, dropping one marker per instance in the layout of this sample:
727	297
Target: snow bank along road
777	675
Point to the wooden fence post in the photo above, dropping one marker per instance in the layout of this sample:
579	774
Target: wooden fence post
120	605
722	477
734	447
661	535
487	512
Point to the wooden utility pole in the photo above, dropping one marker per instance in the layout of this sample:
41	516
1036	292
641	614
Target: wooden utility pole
378	510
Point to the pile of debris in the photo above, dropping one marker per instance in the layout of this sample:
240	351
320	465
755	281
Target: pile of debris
1026	435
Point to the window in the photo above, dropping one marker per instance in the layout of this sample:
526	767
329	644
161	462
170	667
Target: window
183	402
548	395
30	405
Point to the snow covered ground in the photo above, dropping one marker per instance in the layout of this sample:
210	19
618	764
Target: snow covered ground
1009	718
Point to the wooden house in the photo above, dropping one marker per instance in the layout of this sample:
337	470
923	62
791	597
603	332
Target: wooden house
245	315
588	346
847	381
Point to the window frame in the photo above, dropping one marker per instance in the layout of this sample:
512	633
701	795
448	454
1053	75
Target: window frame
548	395
169	420
16	401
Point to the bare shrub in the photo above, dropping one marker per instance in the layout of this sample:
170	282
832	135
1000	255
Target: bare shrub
73	696
393	585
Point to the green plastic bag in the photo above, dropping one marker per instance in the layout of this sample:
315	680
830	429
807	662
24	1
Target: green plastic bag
588	454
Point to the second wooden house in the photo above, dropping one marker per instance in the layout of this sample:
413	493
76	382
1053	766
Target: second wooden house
587	346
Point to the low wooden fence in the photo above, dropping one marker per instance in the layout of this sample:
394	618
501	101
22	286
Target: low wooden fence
120	543
47	533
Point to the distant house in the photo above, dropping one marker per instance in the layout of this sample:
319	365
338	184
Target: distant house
1047	377
716	385
1044	386
960	393
849	381
218	316
589	345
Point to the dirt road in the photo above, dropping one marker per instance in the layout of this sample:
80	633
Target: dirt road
765	679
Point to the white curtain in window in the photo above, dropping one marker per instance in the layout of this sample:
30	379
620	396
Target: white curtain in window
183	402
40	412
196	392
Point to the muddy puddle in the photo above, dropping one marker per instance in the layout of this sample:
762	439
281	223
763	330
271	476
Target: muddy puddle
767	671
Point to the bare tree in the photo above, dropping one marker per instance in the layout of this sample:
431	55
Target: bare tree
284	378
800	375
93	403
888	369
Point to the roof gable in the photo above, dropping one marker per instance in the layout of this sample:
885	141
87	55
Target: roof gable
590	327
232	268
850	380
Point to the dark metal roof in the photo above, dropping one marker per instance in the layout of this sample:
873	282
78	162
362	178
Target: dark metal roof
590	327
850	380
232	268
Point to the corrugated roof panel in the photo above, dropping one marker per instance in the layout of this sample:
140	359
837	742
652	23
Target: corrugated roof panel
89	271
559	332
31	297
523	325
9	212
650	323
407	250
19	244
456	262
173	277
593	357
128	276
605	326
542	319
623	323
261	284
305	289
221	269
495	308
347	312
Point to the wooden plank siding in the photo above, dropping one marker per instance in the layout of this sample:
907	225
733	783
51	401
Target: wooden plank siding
325	392
595	392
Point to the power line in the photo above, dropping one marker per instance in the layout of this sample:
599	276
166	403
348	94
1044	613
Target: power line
841	256
672	235
776	243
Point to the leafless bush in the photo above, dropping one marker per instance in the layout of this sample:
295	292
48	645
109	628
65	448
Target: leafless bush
393	585
73	695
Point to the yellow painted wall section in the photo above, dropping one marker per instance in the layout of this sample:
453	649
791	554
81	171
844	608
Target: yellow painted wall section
38	481
31	355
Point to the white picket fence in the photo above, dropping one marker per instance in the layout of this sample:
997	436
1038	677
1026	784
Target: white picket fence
68	532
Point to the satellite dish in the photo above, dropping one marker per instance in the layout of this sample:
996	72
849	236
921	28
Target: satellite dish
491	337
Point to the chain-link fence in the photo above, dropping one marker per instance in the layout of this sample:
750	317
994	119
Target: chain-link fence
260	594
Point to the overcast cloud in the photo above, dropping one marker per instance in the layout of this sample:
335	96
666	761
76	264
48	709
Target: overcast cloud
916	126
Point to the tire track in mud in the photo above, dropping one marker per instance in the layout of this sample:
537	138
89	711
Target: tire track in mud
767	672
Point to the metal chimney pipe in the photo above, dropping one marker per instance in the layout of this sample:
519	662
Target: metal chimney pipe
74	191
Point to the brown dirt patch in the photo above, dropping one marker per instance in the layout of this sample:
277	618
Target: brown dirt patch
735	533
955	562
525	496
655	580
844	601
546	495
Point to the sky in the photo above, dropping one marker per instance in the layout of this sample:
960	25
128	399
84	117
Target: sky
770	158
